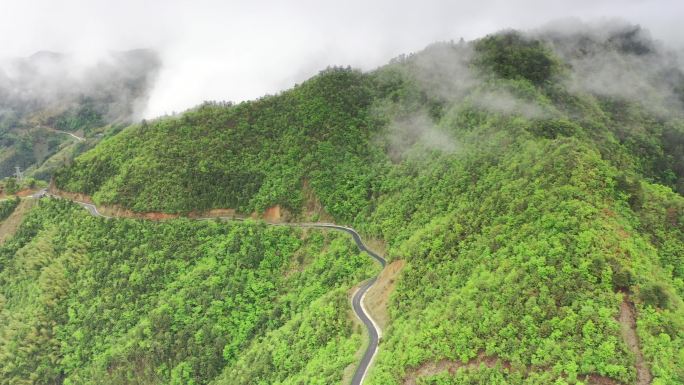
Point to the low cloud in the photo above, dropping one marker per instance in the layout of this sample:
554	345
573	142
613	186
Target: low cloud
443	71
239	50
503	102
120	82
618	60
416	131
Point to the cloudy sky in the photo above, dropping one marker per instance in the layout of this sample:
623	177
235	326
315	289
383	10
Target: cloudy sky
238	50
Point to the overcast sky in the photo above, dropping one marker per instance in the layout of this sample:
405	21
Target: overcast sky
238	50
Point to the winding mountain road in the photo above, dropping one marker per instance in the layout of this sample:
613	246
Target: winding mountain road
374	332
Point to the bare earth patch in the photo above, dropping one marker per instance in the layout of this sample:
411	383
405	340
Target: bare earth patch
377	297
20	193
221	213
272	214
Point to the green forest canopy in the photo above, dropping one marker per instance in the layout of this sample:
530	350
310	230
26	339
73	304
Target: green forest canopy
527	209
85	300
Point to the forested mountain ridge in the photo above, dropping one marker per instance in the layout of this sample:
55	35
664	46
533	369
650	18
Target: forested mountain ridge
532	182
262	151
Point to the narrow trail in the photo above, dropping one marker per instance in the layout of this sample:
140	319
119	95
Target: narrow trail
374	331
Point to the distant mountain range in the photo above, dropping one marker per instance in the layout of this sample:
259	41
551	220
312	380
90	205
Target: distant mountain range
49	92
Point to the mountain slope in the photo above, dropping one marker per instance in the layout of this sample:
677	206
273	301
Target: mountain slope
84	300
47	96
532	197
247	157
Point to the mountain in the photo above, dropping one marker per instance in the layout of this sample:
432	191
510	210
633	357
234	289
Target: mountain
526	188
48	95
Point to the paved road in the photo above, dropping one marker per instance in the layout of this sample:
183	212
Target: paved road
374	332
78	138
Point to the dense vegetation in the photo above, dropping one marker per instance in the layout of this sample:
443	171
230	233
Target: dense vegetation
89	301
7	206
25	147
527	205
84	117
247	157
512	56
